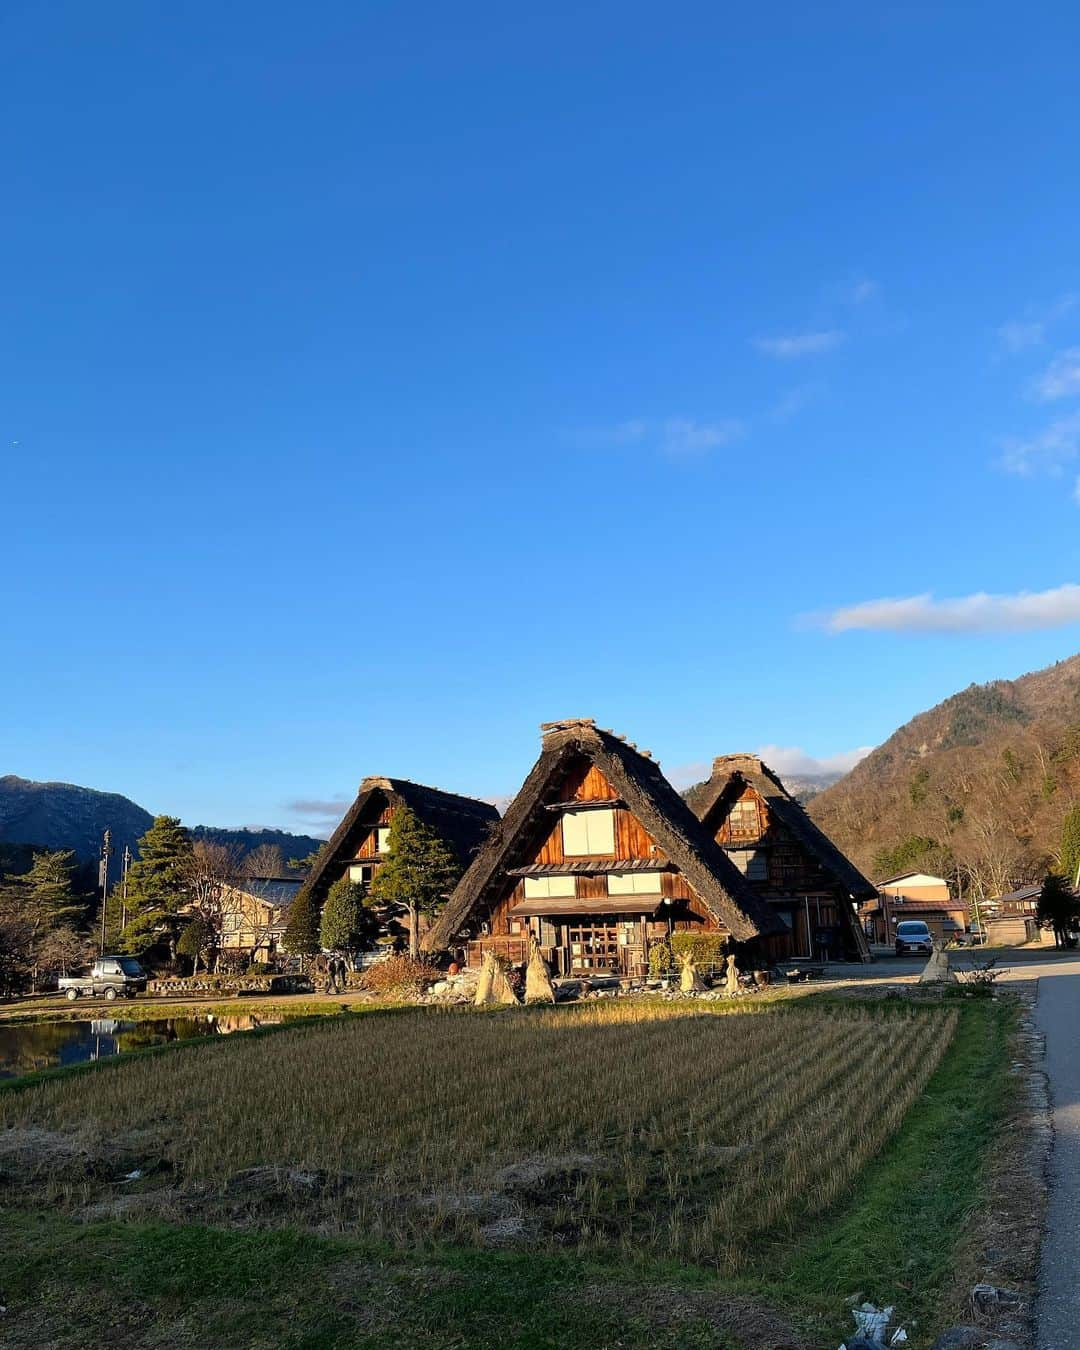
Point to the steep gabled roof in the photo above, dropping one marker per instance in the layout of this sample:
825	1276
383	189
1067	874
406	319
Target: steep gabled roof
730	772
463	822
647	794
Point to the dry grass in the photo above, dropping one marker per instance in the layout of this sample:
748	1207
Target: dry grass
661	1127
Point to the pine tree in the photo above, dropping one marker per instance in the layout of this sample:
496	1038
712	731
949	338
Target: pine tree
156	883
349	923
1070	844
302	930
42	903
49	889
418	872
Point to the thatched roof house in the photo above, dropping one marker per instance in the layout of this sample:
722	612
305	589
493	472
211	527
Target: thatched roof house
596	858
358	844
784	856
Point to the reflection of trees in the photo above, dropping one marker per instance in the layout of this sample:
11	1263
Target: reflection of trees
43	1045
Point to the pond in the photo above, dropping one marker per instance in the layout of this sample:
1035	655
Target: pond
27	1046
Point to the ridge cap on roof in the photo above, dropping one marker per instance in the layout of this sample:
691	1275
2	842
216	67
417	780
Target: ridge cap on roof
372	781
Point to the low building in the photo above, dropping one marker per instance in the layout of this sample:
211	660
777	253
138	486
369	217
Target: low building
913	895
1012	918
254	913
597	858
1023	902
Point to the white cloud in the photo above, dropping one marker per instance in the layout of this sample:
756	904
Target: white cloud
680	437
785	759
792	759
980	613
686	775
1018	335
791	345
1061	379
685	436
1046	453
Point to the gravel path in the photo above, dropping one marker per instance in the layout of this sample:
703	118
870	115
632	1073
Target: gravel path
1058	1017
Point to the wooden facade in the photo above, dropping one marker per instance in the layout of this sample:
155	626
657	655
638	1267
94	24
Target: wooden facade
358	846
809	884
597	858
253	916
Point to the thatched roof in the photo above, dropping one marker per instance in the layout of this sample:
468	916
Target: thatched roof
463	822
646	793
731	773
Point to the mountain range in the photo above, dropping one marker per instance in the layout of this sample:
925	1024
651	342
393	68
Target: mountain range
66	816
977	786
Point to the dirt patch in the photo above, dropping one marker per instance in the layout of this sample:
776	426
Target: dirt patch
742	1319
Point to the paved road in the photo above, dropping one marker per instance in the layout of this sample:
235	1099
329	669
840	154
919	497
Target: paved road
1058	1017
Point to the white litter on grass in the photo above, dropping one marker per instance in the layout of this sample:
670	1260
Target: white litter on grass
871	1326
134	1176
872	1322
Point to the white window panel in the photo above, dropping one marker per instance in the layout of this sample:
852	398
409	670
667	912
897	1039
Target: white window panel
549	888
588	832
633	883
757	867
382	839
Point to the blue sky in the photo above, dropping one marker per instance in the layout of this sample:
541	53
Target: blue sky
379	381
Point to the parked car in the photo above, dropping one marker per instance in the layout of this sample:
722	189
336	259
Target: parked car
110	977
913	937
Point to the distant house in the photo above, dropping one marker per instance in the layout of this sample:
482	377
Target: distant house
788	860
1011	919
254	913
913	895
598	858
358	846
1024	901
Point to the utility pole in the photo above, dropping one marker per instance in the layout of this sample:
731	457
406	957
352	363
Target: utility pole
125	864
103	878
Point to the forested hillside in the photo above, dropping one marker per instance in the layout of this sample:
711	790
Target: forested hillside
977	786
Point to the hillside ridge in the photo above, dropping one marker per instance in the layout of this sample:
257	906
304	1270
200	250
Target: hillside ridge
976	786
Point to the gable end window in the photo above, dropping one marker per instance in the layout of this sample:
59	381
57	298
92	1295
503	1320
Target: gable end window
382	839
588	832
743	820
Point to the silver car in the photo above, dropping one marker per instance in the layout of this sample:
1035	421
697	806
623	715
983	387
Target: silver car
913	937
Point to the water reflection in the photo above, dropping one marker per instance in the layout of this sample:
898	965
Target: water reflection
43	1045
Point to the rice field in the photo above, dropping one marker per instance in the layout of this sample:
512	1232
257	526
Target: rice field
665	1128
